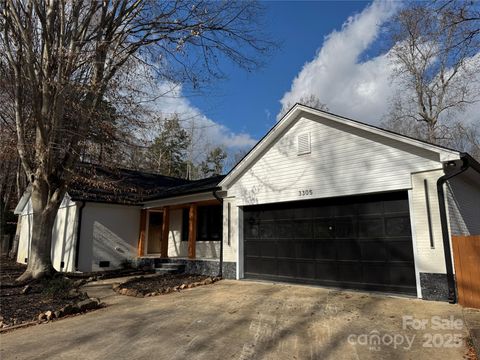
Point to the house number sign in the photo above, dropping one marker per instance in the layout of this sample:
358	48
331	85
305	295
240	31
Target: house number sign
305	192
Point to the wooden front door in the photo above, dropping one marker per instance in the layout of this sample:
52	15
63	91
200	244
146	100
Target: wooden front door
466	253
155	227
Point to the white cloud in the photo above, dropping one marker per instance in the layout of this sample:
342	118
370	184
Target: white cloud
163	99
337	76
204	128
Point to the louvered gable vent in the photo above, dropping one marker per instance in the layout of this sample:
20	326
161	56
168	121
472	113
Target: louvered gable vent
303	143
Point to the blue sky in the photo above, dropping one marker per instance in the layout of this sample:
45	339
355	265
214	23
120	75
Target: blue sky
249	102
334	50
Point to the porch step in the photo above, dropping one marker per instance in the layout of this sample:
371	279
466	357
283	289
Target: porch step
169	268
172	265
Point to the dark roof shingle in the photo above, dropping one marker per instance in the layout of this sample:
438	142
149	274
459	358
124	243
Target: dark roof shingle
123	186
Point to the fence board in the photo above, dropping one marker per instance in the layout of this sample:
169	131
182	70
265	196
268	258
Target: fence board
466	254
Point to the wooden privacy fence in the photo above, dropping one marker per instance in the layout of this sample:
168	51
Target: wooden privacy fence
466	254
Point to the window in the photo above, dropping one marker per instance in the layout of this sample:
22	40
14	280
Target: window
209	223
185	215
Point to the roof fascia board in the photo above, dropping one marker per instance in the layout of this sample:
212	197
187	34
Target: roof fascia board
179	200
445	154
296	111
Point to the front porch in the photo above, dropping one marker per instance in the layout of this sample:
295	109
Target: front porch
187	231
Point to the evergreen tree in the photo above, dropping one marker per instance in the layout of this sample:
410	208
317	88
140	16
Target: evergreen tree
167	154
213	164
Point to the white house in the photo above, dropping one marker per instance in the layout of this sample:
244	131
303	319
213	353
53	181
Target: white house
321	199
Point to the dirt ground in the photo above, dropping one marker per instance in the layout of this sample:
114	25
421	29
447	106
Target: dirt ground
17	307
161	284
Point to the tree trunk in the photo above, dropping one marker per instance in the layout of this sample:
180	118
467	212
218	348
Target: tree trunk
44	210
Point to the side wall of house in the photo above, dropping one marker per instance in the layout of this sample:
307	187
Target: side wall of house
427	233
463	197
63	236
109	236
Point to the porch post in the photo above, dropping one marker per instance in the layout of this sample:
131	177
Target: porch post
165	230
192	230
141	235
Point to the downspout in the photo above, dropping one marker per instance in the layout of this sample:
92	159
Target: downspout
220	270
79	230
452	296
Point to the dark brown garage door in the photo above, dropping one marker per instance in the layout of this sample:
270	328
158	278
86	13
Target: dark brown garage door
353	242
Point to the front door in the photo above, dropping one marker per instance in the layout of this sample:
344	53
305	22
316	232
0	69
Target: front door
155	224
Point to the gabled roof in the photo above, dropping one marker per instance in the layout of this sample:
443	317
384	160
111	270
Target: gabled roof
445	154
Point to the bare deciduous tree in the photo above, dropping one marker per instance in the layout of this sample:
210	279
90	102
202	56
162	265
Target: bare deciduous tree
436	59
310	100
64	57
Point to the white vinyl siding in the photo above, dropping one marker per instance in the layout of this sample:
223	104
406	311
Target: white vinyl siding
428	259
63	235
343	161
463	195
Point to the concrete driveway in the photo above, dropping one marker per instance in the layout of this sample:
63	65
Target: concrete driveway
247	320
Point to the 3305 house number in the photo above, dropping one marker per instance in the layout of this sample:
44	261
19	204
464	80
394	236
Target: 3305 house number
305	192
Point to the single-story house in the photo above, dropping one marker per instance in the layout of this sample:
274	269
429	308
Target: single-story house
321	199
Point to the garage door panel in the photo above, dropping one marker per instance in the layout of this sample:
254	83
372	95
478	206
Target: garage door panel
398	226
285	229
323	228
326	270
306	269
305	249
350	271
266	266
303	229
374	273
287	268
370	207
285	248
325	250
371	227
396	206
400	250
374	249
357	242
402	274
348	249
251	231
266	230
253	247
268	248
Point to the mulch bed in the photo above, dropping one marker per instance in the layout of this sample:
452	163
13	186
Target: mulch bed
162	284
16	307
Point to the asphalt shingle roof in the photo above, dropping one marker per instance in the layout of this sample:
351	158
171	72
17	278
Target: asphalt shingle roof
123	186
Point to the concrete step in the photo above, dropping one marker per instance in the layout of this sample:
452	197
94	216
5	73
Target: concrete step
171	265
162	271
